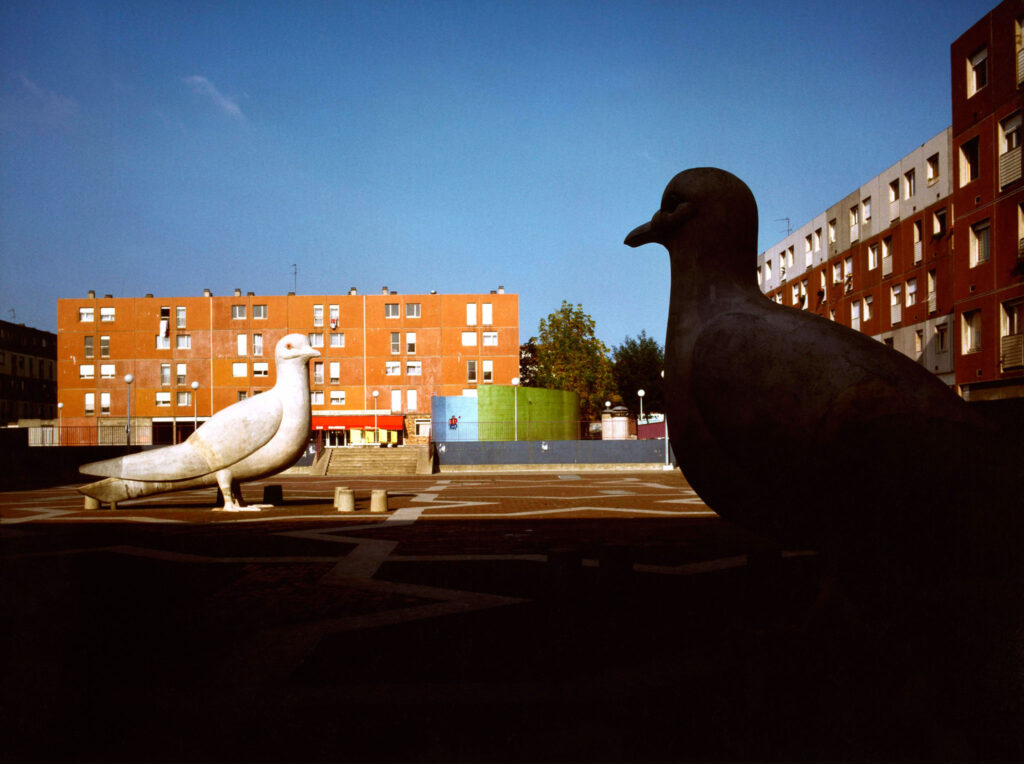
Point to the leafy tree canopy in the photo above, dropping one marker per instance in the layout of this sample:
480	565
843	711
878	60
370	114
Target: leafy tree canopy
637	365
528	363
570	357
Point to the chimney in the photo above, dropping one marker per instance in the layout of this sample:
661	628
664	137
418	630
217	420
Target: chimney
92	294
501	290
291	294
352	290
493	291
149	294
433	291
238	292
250	294
207	293
384	290
108	297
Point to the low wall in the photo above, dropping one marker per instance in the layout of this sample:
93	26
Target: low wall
554	454
23	466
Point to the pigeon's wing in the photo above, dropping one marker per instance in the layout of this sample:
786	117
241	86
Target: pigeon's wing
226	438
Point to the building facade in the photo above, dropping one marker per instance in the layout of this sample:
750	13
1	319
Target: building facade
28	373
927	256
383	357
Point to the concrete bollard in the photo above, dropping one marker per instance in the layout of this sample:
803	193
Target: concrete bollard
379	500
344	499
273	494
91	503
113	505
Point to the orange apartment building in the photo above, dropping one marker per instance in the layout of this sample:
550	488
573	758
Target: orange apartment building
382	358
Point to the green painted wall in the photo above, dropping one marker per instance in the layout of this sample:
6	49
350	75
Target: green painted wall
543	414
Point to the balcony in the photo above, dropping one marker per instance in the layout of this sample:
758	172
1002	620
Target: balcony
1009	167
1011	352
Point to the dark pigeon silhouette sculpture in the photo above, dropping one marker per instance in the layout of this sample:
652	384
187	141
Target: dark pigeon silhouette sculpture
813	435
809	432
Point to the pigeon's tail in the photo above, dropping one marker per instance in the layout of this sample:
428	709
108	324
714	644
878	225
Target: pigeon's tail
119	489
109	490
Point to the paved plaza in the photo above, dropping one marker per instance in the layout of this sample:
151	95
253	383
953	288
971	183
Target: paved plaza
492	616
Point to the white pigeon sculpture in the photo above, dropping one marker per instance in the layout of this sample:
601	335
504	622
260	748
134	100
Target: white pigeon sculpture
251	439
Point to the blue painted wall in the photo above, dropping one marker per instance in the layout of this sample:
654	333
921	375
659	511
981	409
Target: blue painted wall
557	452
443	408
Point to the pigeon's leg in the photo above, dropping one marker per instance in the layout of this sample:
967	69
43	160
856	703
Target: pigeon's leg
236	493
225	483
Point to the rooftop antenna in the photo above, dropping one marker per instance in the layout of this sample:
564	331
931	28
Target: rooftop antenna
789	230
295	278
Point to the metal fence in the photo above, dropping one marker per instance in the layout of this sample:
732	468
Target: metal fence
91	435
466	430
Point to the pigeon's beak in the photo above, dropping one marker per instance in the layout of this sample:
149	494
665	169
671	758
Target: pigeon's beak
640	235
314	353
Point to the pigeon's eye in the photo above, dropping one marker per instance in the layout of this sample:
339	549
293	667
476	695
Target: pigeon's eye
288	346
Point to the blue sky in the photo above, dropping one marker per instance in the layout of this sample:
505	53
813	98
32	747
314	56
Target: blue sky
170	147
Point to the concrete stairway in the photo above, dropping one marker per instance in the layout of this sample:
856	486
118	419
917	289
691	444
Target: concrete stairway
372	460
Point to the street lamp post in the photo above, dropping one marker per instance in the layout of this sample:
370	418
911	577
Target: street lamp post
128	379
60	422
376	432
515	393
640	395
195	405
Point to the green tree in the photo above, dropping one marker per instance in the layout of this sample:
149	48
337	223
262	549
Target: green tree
570	357
637	365
528	363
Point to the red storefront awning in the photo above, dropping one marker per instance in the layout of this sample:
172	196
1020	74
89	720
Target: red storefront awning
360	422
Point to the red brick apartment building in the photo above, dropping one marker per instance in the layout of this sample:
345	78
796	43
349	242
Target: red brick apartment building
928	257
382	358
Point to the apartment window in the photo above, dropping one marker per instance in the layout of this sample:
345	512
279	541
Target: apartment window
393	368
242	344
335	372
896	303
412	310
184	341
832	231
933	301
918	342
318	315
471	371
931	168
104	403
318	372
468	339
337	397
808	240
90	404
817	239
337	339
488	371
471	314
165	374
490	339
866	204
848	267
334	314
182	373
107	371
237	311
391	310
837	273
411	400
971	331
179	313
868	307
260	369
316	339
107	314
941	338
85	315
854	223
396	343
760	277
794	294
162	342
486	314
909	183
887	256
257	344
977	71
803	293
767	271
855	314
894	191
184	398
163	398
1012	318
979	249
789	257
872	256
316	397
939	222
1011	335
414	368
89	346
259	311
86	371
104	346
918	244
911	292
968	161
410	343
239	369
242	395
889	342
1009	154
